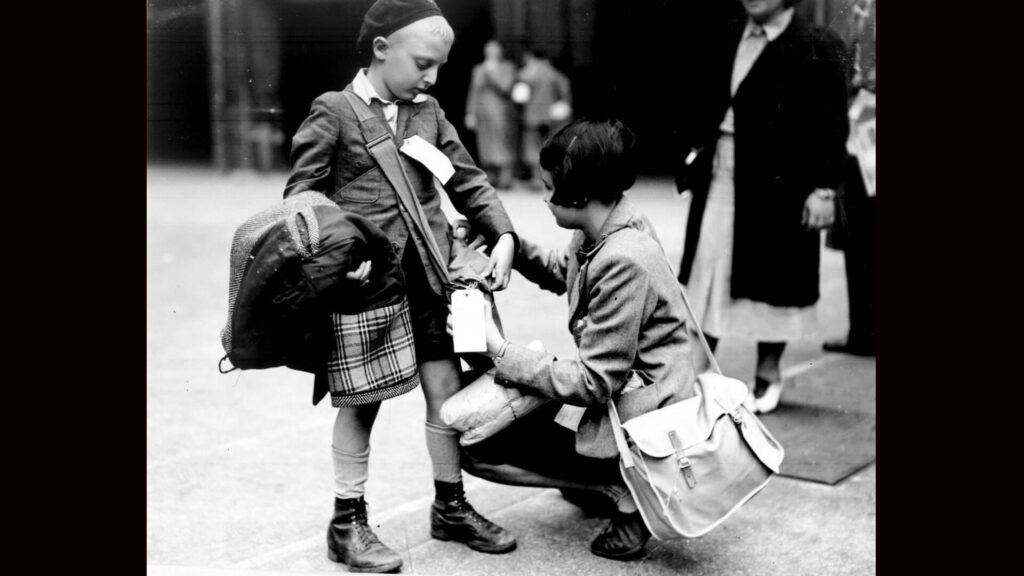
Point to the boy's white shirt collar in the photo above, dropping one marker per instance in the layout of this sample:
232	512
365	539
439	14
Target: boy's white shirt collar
772	28
363	88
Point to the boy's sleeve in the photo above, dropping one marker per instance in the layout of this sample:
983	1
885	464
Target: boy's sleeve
468	189
313	150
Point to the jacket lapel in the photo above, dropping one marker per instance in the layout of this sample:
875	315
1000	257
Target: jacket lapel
775	53
621	217
407	113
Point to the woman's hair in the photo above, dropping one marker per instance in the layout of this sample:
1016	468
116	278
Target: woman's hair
589	160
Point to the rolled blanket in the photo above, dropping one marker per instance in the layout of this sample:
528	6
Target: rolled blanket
484	407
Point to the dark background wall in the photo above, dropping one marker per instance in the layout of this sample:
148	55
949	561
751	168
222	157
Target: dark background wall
177	82
633	59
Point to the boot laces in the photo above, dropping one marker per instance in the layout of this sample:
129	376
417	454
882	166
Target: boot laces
366	536
475	517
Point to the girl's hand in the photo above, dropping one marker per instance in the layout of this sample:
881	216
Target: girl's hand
360	275
499	268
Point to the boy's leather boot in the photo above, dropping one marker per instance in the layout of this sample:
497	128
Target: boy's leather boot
452	518
350	540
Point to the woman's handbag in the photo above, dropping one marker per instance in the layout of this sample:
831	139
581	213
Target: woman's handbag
691	464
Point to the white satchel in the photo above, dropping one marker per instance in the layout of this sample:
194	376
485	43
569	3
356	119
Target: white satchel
691	464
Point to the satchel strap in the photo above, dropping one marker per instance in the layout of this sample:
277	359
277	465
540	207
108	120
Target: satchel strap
381	145
584	297
620	437
700	333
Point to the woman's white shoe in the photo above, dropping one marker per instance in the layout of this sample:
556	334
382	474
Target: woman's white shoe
770	399
749	403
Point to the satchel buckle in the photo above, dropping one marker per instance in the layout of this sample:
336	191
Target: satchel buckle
688	475
684	463
733	413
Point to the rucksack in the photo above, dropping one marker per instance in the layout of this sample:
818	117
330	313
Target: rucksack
287	274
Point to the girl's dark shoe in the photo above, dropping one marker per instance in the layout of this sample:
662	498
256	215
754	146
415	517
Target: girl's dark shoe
591	502
624	537
453	518
350	540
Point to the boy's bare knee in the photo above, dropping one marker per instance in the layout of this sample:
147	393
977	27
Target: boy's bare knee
440	381
362	415
440	376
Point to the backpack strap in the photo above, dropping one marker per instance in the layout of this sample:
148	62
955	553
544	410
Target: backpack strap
380	143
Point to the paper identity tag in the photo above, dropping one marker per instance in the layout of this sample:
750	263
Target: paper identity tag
469	326
570	416
425	153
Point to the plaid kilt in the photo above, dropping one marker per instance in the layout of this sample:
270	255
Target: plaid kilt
372	356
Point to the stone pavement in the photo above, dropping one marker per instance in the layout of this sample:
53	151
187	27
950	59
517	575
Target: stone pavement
238	465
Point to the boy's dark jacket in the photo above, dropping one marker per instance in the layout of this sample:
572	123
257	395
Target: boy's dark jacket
329	155
791	130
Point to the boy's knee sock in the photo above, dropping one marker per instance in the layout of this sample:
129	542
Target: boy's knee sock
443	448
350	473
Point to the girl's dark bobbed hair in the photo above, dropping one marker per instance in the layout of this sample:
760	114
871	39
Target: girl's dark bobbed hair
589	159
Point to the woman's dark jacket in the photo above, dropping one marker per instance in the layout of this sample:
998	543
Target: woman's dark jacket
790	135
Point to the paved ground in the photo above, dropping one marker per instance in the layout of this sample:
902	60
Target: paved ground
238	466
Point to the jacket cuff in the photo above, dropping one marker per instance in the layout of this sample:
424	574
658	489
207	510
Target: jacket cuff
518	365
515	241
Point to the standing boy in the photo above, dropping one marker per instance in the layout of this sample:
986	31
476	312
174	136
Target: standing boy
408	41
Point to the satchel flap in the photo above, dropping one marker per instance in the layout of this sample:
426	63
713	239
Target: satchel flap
762	443
730	393
692	420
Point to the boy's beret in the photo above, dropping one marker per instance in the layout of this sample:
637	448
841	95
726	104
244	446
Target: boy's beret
387	16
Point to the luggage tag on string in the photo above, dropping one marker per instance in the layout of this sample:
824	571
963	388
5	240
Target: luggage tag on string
469	321
469	328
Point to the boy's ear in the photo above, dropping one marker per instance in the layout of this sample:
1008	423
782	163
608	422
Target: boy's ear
380	47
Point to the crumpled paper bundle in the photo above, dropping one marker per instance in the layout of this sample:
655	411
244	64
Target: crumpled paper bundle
485	407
